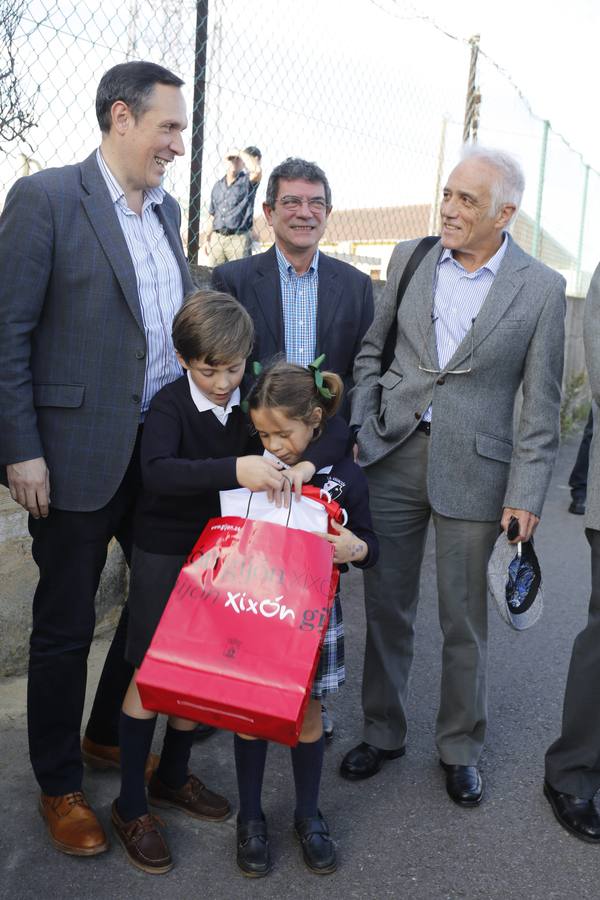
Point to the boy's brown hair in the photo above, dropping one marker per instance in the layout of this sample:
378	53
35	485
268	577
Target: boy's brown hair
213	327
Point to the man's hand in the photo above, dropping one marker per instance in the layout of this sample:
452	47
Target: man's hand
347	547
29	485
527	522
259	474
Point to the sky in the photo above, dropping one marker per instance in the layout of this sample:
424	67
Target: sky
549	49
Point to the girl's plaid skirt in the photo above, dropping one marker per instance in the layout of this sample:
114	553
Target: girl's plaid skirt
331	672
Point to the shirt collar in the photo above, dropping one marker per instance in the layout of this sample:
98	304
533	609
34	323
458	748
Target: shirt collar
153	196
203	404
493	263
286	269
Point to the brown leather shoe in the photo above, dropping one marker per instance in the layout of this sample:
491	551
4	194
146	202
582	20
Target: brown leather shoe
73	826
104	756
193	798
143	843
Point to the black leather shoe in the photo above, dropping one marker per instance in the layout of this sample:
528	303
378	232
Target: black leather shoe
366	760
463	783
202	731
327	724
253	855
577	507
318	850
577	815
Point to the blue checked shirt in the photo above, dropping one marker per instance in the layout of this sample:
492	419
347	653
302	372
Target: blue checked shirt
458	298
299	297
159	284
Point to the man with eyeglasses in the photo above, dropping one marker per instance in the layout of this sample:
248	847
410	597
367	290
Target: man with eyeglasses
478	320
303	302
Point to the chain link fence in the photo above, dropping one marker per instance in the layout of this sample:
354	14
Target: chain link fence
372	93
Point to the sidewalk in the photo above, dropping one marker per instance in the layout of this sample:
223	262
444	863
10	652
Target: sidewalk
399	835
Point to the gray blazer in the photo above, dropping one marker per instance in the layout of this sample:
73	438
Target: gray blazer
476	464
72	340
591	340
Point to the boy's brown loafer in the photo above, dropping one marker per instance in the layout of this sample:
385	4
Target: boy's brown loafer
143	843
194	799
73	826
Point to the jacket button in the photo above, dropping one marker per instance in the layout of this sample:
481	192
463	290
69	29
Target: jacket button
140	354
136	398
441	381
417	415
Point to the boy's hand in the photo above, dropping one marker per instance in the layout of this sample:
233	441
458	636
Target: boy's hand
298	475
347	547
259	474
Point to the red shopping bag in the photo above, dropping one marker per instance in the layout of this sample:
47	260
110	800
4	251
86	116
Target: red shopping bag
239	641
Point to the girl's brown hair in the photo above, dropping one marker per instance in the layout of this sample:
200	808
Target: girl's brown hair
293	388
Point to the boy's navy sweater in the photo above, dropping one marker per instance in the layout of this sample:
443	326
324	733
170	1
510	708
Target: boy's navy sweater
188	456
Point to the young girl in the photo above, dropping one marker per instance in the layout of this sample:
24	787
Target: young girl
288	407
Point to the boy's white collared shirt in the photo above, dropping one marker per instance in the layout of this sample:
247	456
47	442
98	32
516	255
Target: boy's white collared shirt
203	404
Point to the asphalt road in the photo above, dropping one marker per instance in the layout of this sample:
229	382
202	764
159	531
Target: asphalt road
398	834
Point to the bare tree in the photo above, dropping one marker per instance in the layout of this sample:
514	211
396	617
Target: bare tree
16	108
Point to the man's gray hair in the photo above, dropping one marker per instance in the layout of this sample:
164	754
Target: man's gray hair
292	169
508	187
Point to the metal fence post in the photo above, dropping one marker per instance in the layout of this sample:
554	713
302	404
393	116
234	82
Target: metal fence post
537	225
471	120
586	182
193	239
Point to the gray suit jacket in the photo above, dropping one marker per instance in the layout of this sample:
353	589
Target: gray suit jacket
591	339
476	464
72	339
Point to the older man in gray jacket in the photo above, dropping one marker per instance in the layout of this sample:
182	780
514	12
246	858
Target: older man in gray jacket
573	760
479	319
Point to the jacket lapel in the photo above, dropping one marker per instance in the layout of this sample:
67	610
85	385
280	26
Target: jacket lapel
268	293
417	309
99	210
506	285
328	299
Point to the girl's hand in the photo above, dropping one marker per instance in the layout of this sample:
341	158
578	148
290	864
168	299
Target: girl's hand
298	475
259	474
347	547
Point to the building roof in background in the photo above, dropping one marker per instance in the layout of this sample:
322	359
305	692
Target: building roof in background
390	224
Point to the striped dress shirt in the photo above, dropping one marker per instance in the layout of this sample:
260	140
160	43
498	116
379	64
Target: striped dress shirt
299	297
457	299
159	284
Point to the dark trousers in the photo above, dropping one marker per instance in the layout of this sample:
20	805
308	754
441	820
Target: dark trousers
579	474
70	550
573	761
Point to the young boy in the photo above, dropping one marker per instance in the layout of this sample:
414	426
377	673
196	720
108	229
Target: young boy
195	443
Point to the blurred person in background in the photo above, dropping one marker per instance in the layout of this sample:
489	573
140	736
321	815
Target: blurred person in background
228	233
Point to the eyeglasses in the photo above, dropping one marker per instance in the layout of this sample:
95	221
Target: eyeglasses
466	371
315	204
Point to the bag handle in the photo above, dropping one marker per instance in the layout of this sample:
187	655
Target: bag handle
334	510
415	259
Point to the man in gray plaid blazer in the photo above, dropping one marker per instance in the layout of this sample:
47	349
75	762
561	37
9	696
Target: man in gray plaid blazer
479	319
93	271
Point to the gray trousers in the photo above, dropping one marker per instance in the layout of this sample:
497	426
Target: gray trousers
573	761
401	513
